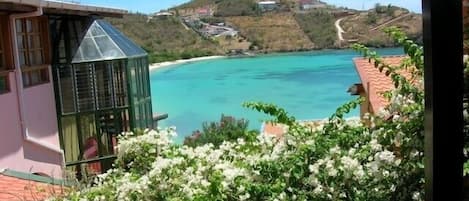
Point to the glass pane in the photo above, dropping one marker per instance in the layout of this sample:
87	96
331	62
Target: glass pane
89	50
35	77
66	89
137	116
70	139
19	26
29	27
32	25
108	128
35	57
20	40
125	121
125	44
91	144
3	84
88	136
110	44
96	31
26	80
133	80
44	75
104	85
108	49
149	114
34	41
84	85
120	84
22	57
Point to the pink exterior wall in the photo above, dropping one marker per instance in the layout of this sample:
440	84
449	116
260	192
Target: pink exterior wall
18	154
41	114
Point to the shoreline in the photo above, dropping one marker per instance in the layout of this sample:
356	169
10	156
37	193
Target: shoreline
154	66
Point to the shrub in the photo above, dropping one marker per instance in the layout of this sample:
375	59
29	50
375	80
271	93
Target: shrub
371	18
236	8
227	129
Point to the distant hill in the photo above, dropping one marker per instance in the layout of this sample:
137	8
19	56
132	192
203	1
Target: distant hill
272	32
288	28
165	38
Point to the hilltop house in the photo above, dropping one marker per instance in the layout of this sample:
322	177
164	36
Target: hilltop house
267	5
204	12
69	83
311	4
163	14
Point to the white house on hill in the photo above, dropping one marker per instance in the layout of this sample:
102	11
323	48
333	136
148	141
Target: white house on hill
267	5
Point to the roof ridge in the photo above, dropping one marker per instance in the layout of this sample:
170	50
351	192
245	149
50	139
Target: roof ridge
386	56
36	178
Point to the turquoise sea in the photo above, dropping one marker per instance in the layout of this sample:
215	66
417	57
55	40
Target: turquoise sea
309	85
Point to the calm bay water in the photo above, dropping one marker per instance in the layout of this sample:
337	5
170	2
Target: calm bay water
309	85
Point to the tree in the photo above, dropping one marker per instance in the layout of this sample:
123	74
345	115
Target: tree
227	129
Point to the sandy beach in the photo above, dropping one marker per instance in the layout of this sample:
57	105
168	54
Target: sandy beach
181	61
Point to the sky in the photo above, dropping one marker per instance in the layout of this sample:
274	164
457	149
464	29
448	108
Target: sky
151	6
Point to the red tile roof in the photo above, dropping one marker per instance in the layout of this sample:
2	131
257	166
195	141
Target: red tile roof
13	188
378	81
276	130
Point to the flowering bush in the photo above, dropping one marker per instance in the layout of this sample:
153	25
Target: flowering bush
344	160
228	129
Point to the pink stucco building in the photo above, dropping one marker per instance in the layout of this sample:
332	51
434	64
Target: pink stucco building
69	83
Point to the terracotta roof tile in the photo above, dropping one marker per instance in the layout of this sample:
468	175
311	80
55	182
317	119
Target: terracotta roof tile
276	130
12	189
378	81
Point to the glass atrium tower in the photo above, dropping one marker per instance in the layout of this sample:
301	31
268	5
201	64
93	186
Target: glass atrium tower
102	89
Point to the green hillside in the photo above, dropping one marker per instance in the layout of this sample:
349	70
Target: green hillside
164	38
286	29
319	27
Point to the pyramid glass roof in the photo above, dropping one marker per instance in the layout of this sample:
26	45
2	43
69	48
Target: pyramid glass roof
102	41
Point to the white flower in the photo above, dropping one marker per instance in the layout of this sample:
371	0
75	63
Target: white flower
332	172
416	196
246	196
318	190
314	169
385	156
241	188
375	146
335	150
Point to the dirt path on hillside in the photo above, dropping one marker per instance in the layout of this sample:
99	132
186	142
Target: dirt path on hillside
339	29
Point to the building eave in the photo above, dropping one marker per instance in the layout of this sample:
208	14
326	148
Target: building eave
59	7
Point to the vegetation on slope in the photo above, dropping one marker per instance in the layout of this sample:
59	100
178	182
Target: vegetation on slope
164	38
272	32
319	27
197	3
366	27
237	8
